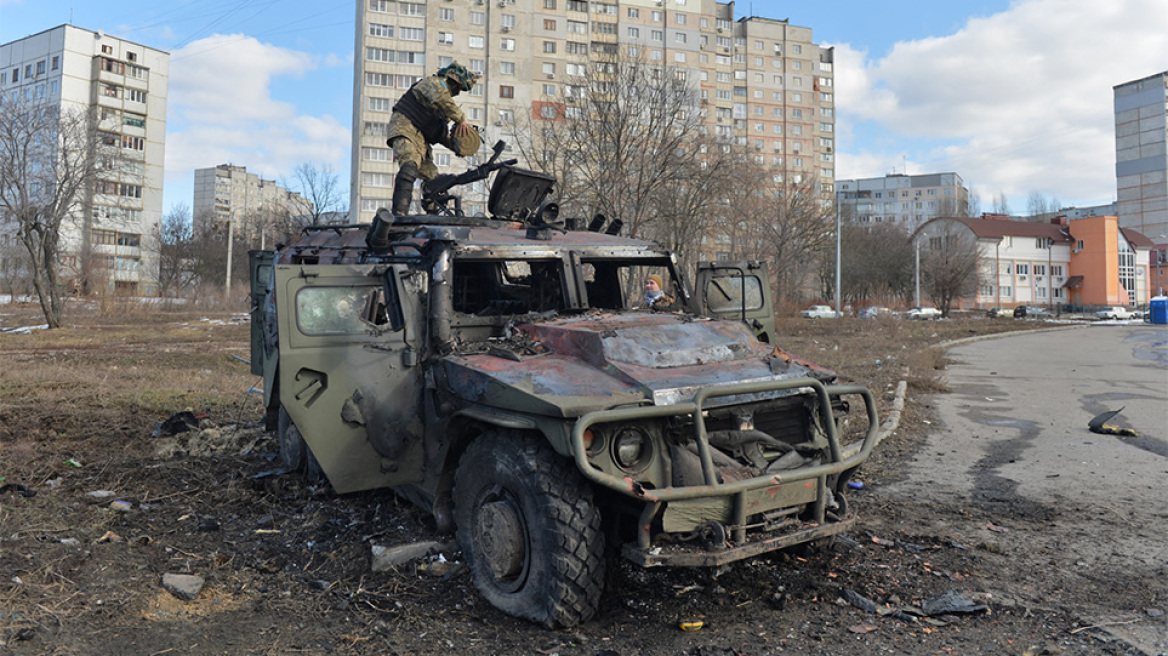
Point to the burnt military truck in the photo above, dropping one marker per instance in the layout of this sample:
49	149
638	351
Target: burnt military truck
502	374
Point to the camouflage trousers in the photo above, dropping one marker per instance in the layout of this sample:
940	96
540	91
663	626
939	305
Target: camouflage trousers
407	150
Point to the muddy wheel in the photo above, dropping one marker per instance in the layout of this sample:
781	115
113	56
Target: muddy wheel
529	530
294	451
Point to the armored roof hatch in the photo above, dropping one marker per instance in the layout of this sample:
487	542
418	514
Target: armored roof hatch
517	193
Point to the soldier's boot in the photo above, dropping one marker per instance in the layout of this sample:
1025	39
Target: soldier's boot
403	189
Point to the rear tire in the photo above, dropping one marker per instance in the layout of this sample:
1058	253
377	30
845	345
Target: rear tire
529	530
294	451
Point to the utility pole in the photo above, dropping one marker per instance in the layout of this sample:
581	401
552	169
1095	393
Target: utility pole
837	257
227	276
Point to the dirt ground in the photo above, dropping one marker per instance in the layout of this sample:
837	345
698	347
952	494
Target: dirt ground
286	565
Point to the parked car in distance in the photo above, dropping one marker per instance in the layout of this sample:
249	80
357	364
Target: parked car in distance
1031	312
873	312
819	312
999	312
1117	312
923	313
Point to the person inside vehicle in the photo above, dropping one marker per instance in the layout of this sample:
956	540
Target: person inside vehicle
419	121
655	297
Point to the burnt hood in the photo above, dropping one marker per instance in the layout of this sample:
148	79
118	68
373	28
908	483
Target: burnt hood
600	361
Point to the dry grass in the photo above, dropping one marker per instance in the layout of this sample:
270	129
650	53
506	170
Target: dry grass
129	374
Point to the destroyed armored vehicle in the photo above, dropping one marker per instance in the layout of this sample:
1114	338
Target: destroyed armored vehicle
502	374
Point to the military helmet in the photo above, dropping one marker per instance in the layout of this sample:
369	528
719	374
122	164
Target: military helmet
459	74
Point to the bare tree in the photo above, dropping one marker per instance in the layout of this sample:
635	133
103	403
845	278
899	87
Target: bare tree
877	263
176	274
626	132
1001	206
949	262
974	204
319	186
48	168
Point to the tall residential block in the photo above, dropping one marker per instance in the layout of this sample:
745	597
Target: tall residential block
118	229
763	82
227	194
903	200
1141	155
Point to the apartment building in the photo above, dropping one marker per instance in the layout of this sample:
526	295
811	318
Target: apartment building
763	82
117	231
230	195
1141	155
903	200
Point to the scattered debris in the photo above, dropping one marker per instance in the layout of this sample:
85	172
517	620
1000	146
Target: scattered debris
100	494
121	506
858	600
179	422
183	586
691	625
949	603
109	536
385	558
17	488
1098	424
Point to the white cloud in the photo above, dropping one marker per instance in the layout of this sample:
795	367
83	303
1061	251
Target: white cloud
221	110
1017	102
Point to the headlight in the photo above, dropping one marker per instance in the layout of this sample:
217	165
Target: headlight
631	448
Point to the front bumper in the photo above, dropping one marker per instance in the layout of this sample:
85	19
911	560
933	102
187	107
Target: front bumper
745	497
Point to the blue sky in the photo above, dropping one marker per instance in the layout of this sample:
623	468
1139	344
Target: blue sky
1014	96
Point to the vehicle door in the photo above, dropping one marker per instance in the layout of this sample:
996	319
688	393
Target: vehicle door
350	383
260	268
736	290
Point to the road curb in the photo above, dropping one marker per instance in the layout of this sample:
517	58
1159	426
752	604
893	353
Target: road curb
889	424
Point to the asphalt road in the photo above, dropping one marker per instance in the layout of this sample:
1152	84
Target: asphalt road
1014	441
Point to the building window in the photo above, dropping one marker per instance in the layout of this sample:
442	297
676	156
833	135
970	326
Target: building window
380	6
376	154
507	68
475	42
411	34
634	12
506	91
442	159
411	9
549	89
507	44
478	18
547	112
508	21
380	105
378	29
446	14
549	46
446	38
549	24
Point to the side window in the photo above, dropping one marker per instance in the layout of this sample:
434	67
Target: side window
728	293
489	288
616	285
339	310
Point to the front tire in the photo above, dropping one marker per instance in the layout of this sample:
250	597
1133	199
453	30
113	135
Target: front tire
529	530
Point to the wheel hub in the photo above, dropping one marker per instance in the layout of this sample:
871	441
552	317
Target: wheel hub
499	529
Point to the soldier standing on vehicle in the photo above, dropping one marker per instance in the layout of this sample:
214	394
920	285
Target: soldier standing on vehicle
420	120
